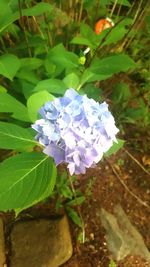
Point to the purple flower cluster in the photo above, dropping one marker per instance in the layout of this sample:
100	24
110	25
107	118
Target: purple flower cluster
76	130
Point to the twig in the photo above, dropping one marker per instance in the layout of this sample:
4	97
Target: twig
135	20
135	160
113	8
119	9
126	187
23	27
80	11
78	207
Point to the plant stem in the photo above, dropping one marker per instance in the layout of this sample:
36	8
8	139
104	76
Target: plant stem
23	27
78	208
113	8
97	8
135	20
80	11
119	9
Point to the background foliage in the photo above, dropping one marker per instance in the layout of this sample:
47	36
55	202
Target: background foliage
42	47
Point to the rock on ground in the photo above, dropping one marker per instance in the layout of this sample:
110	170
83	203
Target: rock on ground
122	237
2	245
41	243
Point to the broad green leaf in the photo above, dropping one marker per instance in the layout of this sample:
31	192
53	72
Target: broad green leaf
112	64
28	75
15	137
82	41
27	88
9	17
36	101
37	10
115	148
90	76
31	63
115	35
5	12
50	68
53	86
62	58
11	105
92	91
122	2
24	180
71	80
9	65
3	89
88	33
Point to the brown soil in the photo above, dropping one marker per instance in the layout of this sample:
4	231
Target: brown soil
107	192
103	188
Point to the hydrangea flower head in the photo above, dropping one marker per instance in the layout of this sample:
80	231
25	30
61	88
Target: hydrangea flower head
76	130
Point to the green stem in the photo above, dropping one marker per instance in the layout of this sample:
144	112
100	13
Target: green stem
78	208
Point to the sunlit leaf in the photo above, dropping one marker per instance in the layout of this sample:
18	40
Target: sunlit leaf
115	148
15	137
36	101
24	179
9	65
11	105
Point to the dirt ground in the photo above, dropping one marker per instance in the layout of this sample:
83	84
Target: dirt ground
107	191
103	188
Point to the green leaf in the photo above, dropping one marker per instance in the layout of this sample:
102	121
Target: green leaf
11	105
104	68
92	91
115	148
9	65
121	94
24	180
112	64
15	137
3	89
74	216
71	80
89	76
62	58
37	10
123	2
36	101
8	17
82	41
31	63
112	263
88	33
115	35
27	88
27	75
53	86
76	201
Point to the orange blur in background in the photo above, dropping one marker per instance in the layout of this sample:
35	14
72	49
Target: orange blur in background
103	24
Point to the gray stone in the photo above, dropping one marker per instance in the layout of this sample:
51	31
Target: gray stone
41	243
122	237
2	245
